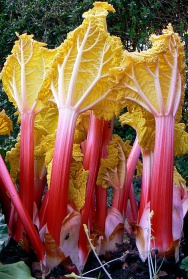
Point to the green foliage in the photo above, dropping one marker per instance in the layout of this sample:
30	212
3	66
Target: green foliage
3	232
184	265
181	164
49	21
134	21
17	270
126	132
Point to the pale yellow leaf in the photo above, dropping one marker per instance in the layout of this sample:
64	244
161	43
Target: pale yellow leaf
5	124
80	76
24	71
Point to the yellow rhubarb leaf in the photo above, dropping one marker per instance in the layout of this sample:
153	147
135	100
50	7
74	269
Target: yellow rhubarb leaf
77	184
45	130
155	78
112	170
180	140
78	178
178	179
24	71
100	9
86	55
13	158
44	150
46	120
81	130
46	147
5	124
143	122
77	153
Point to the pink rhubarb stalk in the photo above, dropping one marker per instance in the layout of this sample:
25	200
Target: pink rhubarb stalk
91	163
133	204
101	193
146	180
101	206
162	182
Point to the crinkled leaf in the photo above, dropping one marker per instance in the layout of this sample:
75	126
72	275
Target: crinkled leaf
112	170
46	120
13	158
81	130
86	55
78	178
77	184
155	78
5	124
24	71
143	122
180	140
178	179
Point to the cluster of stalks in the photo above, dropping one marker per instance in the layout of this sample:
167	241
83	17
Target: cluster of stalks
67	156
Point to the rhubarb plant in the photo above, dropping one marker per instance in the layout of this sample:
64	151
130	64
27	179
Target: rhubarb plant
155	79
87	54
22	77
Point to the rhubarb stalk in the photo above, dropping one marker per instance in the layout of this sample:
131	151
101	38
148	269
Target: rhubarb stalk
58	192
162	182
22	213
147	158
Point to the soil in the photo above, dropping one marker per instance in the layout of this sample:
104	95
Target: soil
126	264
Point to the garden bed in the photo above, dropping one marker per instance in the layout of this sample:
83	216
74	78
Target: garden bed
123	264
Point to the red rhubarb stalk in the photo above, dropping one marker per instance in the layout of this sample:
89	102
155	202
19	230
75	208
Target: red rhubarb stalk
22	212
101	206
117	201
133	204
39	183
131	166
27	161
5	202
59	183
43	210
101	193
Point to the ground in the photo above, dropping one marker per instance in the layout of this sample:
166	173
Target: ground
126	266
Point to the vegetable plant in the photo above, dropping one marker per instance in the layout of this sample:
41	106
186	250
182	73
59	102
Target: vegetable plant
66	155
